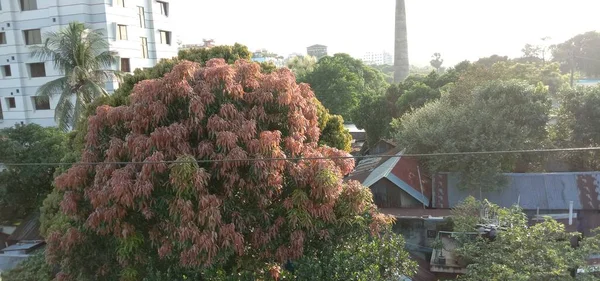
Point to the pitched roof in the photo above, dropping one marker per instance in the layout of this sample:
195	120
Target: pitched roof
364	168
546	191
28	230
379	168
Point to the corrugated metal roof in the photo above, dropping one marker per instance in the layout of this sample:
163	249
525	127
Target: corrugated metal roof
364	168
28	230
353	129
382	170
23	246
549	191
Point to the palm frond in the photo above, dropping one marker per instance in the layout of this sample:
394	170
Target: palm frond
63	112
82	55
53	87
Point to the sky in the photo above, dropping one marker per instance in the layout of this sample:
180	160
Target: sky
458	29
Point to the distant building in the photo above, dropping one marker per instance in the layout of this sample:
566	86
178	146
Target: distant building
381	58
588	82
317	51
208	43
263	55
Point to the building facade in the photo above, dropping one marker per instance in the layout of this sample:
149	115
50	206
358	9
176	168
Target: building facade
317	51
139	31
381	58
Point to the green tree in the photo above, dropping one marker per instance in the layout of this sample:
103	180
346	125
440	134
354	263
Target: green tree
302	66
229	53
436	61
581	52
333	132
578	125
139	221
23	188
532	52
362	258
497	116
375	113
522	252
340	81
81	55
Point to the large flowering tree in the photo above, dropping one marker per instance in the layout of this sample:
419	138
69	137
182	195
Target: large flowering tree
180	181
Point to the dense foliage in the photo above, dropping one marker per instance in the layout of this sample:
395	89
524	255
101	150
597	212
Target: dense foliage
142	220
22	188
578	125
543	251
82	57
375	113
497	116
340	81
229	53
582	52
301	66
361	258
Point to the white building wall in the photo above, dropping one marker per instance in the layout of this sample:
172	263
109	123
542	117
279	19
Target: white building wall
51	15
374	58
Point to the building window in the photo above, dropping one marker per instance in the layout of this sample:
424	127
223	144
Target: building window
37	69
11	102
165	37
28	5
144	47
142	17
6	71
41	102
2	38
125	66
33	36
164	8
121	3
122	32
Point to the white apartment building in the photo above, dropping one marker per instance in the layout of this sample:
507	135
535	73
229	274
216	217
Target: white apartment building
381	58
138	30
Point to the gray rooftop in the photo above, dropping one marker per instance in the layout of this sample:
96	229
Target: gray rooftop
548	191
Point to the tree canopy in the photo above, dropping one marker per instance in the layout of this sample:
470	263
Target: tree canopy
543	251
157	219
583	51
302	66
578	125
340	81
500	115
375	113
436	61
23	188
229	53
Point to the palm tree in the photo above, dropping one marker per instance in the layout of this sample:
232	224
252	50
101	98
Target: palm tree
401	66
82	55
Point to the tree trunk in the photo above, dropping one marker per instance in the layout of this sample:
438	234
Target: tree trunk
401	66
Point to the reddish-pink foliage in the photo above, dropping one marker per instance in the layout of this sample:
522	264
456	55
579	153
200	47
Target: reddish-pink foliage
220	112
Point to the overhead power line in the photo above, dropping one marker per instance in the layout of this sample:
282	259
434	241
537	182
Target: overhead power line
416	155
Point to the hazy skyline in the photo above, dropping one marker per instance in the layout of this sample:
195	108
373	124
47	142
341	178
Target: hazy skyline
458	29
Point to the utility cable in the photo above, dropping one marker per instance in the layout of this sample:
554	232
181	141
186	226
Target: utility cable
415	155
